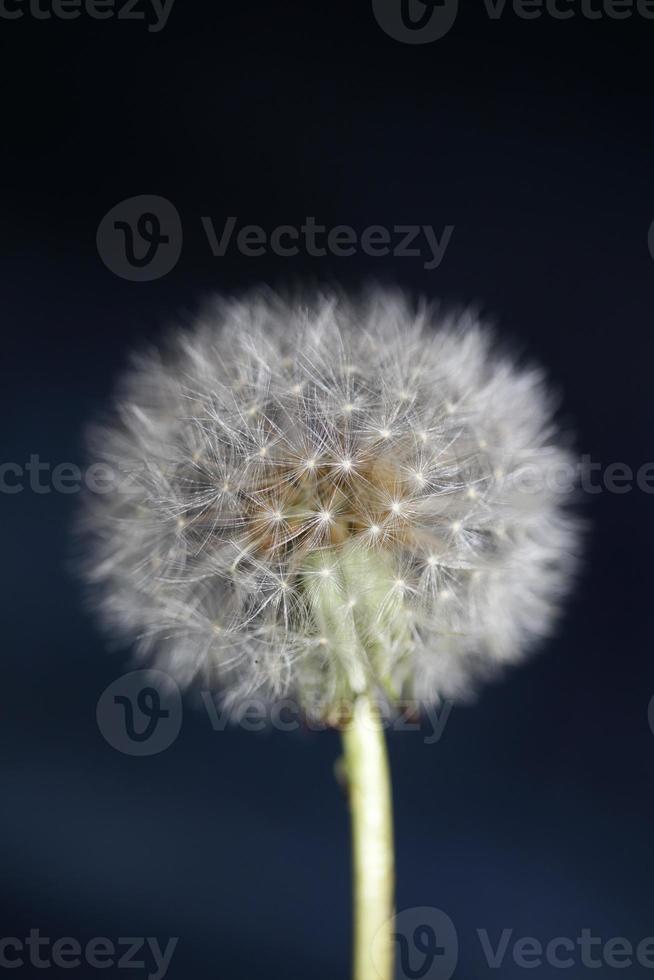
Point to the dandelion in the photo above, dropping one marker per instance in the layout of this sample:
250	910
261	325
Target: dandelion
324	501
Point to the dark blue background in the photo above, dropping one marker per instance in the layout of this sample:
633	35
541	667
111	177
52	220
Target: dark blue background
534	139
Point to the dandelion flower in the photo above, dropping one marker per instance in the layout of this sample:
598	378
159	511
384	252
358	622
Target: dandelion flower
346	502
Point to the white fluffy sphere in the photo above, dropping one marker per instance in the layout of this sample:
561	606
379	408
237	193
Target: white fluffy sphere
312	499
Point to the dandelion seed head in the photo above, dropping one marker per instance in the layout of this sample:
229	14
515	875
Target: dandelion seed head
282	461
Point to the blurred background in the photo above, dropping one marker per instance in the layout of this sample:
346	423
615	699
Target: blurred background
532	138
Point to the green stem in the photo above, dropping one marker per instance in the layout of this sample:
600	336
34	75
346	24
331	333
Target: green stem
366	766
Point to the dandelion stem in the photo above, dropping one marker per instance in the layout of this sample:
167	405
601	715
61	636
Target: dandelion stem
367	770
